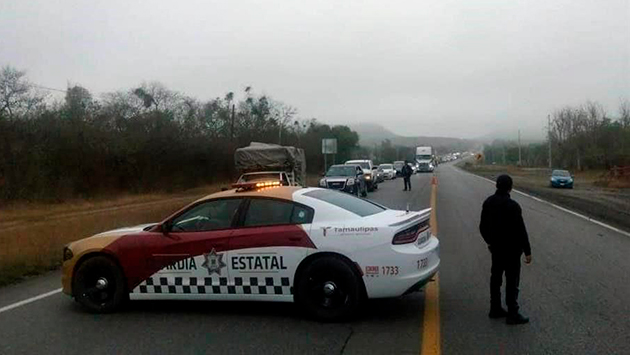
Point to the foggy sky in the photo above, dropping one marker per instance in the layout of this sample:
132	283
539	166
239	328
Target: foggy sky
448	68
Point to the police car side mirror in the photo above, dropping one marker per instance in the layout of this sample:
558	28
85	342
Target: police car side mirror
166	227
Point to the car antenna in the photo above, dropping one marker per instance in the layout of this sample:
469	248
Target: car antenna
407	207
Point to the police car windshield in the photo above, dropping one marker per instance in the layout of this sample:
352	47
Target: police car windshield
386	166
560	173
349	203
342	170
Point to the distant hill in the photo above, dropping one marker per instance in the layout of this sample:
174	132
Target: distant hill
372	133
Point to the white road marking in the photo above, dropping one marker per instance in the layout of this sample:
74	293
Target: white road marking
29	300
615	229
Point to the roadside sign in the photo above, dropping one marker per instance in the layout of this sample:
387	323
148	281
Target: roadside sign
329	146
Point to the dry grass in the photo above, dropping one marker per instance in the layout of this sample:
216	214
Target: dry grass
32	237
534	176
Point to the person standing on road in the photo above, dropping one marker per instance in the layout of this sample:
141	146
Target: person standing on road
406	173
503	229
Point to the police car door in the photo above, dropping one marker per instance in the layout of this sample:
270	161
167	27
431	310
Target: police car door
192	257
265	250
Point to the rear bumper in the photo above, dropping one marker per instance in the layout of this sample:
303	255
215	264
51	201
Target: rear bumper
351	189
420	284
413	267
560	185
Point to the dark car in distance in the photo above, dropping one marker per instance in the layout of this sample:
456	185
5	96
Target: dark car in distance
561	178
346	178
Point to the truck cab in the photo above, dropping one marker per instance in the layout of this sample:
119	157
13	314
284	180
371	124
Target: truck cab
424	159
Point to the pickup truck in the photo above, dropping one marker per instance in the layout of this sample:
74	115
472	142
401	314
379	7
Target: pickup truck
369	172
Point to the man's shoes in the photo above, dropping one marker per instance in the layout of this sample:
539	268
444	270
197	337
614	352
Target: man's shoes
497	313
516	319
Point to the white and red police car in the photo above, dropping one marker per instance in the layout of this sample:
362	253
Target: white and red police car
323	249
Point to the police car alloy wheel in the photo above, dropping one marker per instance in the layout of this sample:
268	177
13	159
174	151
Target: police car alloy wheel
99	285
328	289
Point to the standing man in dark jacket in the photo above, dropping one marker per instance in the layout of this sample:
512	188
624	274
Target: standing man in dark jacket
504	231
406	173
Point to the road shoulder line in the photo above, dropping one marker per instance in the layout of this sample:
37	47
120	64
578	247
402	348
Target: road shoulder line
431	341
29	300
564	209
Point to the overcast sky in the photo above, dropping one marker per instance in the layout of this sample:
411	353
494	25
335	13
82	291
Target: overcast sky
449	68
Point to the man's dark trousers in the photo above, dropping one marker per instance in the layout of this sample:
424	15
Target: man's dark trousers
407	182
510	263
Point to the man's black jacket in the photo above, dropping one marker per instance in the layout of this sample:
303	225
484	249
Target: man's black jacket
502	225
407	171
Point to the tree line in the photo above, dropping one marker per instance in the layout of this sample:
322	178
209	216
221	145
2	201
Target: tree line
582	137
146	138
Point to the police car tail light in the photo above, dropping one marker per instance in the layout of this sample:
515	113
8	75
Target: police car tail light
410	235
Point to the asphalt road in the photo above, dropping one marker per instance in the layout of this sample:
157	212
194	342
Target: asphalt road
577	293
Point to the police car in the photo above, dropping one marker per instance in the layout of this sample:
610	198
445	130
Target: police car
325	250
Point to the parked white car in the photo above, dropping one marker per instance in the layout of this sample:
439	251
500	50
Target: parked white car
388	171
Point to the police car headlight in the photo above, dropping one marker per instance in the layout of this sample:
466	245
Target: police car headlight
350	182
322	182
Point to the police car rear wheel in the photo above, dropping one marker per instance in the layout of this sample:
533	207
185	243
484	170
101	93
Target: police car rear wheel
328	289
99	285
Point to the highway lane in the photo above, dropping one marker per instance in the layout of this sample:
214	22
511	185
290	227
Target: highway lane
577	291
57	325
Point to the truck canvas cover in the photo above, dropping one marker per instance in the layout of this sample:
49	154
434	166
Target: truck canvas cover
269	157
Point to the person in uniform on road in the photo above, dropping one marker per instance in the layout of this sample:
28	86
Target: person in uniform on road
406	173
503	229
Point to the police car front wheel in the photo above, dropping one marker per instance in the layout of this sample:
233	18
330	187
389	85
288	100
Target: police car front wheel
99	285
328	289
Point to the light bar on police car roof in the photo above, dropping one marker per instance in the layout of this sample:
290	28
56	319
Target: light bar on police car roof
256	185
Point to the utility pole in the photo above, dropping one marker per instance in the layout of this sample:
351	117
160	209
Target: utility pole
280	134
375	152
232	124
520	162
503	153
549	138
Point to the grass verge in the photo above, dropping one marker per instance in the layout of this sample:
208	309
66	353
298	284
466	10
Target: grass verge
589	197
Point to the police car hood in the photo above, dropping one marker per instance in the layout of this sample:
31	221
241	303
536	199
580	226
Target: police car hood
124	231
